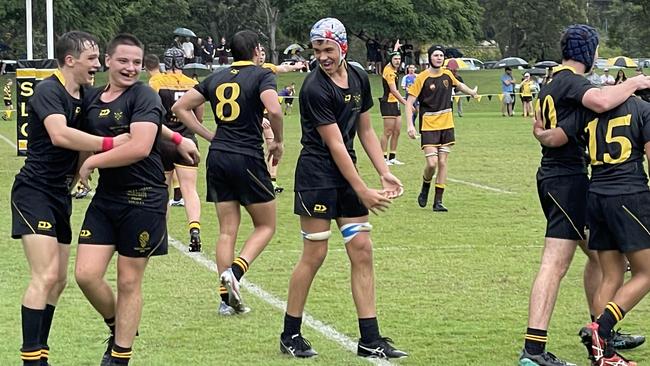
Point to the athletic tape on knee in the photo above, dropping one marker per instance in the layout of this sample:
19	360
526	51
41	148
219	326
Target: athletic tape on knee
349	231
444	149
435	153
323	235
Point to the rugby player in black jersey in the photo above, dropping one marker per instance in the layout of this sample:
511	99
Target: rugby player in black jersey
236	170
40	199
335	102
127	213
562	185
171	85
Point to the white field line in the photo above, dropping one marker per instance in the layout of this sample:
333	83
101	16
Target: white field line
11	143
324	329
481	186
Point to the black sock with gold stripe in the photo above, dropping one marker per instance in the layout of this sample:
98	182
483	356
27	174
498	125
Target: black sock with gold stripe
239	267
30	352
121	355
223	293
440	190
606	322
46	324
535	341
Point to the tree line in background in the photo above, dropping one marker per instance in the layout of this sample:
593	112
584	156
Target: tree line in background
526	28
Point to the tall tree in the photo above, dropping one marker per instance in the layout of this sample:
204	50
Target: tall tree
528	28
629	27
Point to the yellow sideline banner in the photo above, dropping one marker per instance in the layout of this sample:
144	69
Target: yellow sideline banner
26	81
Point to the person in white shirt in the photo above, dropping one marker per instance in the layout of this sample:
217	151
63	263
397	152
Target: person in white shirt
188	49
606	78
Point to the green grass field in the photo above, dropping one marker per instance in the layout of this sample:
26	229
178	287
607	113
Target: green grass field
452	288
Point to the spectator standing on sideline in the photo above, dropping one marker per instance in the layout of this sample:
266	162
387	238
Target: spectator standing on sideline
453	67
606	78
188	49
620	77
198	53
593	78
208	53
222	52
6	96
508	90
526	90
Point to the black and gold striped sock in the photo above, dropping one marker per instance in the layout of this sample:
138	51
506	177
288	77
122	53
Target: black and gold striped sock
606	322
194	225
45	355
239	267
121	355
30	352
223	293
46	324
440	190
535	341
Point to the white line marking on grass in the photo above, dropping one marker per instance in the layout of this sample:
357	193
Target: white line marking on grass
11	143
487	188
324	329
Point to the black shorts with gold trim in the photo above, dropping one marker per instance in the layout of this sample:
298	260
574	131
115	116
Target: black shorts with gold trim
437	138
619	222
564	201
171	158
389	109
238	177
329	203
133	231
40	211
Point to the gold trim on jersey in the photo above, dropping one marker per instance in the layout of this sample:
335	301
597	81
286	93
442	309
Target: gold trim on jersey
270	66
59	75
242	63
557	69
172	82
435	121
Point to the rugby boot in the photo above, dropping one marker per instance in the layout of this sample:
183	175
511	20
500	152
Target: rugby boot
296	346
380	348
626	340
277	188
423	197
439	207
230	282
603	351
543	359
106	358
195	240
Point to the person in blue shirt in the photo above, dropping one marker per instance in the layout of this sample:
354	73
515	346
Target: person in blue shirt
508	90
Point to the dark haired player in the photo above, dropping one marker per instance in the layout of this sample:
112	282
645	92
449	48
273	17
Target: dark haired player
40	200
390	111
335	100
562	184
127	214
432	89
236	171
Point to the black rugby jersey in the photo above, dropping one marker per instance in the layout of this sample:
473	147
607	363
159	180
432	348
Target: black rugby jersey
616	142
170	88
234	95
433	92
48	165
143	182
321	103
561	106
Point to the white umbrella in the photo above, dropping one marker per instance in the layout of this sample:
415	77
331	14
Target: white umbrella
510	62
293	48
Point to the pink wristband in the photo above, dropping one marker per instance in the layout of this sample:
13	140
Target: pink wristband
107	143
177	138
